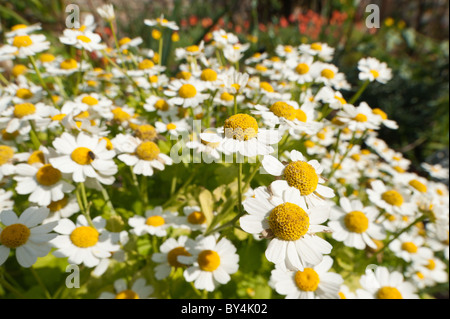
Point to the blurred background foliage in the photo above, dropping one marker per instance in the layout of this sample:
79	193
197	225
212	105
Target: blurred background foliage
412	40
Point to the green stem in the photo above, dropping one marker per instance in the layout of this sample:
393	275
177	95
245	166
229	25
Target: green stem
235	104
239	203
83	202
355	97
33	136
41	283
407	228
41	80
160	49
108	200
11	288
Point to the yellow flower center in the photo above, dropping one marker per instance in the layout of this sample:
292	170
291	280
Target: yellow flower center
236	86
146	132
68	64
22	41
288	221
418	185
360	118
36	157
431	264
6	154
82	156
127	294
192	48
162	105
301	175
380	112
147	151
171	126
196	218
183	75
120	115
172	256
155	221
226	97
58	205
46	57
300	115
410	247
124	41
208	75
356	222
266	86
387	292
156	34
208	260
307	280
260	67
83	38
375	73
399	169
327	73
19	69
14	235
287	48
146	64
24	94
24	109
153	78
282	109
18	27
84	236
241	127
187	91
392	197
47	175
302	68
316	46
309	144
89	100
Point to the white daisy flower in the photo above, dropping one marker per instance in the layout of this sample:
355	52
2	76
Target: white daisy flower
43	183
167	258
322	50
242	135
63	208
411	249
393	200
8	157
143	155
212	262
432	273
333	98
436	170
28	45
193	218
234	81
66	67
26	234
106	11
329	75
83	243
161	22
173	128
354	225
300	69
384	120
186	93
84	156
314	282
299	174
86	40
208	147
293	246
155	222
358	118
5	200
138	290
384	284
126	43
18	117
22	29
373	70
223	38
290	116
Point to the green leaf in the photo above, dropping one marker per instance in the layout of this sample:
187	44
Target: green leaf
206	201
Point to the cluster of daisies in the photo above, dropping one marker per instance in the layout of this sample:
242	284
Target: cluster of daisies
73	128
